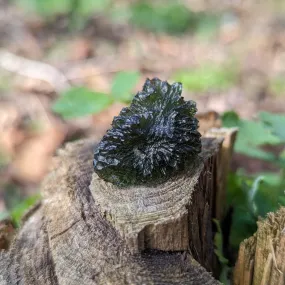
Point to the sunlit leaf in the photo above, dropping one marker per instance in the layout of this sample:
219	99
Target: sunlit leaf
230	119
123	85
277	85
80	101
251	136
271	178
89	7
207	26
256	133
47	7
207	77
170	17
276	123
20	209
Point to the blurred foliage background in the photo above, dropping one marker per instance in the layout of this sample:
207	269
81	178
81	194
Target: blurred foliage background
67	67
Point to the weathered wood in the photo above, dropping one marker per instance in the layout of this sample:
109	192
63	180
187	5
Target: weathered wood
224	159
157	217
67	240
7	232
208	120
261	259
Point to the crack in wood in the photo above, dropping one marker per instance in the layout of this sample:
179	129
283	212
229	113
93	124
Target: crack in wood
64	231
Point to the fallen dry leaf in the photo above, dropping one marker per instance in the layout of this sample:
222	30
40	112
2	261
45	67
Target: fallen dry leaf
10	134
81	49
33	156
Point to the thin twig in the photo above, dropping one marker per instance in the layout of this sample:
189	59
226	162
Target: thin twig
33	69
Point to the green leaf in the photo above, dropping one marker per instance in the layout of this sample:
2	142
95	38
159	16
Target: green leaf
250	199
18	211
257	133
219	243
254	134
230	119
251	136
245	147
266	199
170	17
243	225
120	14
276	124
207	26
80	101
47	8
271	178
243	218
89	7
282	200
123	84
208	77
277	85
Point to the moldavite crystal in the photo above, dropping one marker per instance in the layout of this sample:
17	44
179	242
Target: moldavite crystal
151	139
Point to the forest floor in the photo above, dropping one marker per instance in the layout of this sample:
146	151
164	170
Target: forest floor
238	62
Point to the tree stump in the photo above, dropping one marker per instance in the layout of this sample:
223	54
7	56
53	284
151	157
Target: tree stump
166	216
87	231
261	259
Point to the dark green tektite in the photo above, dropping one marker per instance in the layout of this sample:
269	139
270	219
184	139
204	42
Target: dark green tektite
151	139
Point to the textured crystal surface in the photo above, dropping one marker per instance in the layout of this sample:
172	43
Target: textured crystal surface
151	139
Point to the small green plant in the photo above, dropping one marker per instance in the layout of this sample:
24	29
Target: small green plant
277	85
78	11
218	241
163	17
171	17
208	77
241	196
275	123
253	196
253	135
166	16
123	84
19	209
81	101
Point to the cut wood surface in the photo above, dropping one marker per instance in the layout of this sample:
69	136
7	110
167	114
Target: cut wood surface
261	259
172	216
67	240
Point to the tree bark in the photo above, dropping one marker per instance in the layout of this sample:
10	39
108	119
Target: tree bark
261	259
83	235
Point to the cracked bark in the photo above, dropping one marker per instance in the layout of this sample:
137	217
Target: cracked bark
65	230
